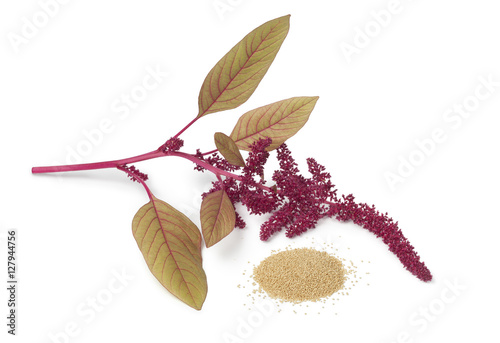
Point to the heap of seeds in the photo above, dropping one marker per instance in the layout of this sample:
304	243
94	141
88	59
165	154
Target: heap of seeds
298	275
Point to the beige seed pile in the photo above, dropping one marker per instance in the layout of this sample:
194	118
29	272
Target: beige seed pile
298	275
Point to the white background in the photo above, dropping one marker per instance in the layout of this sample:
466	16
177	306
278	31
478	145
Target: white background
74	230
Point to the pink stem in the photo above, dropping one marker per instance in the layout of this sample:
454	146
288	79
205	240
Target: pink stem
186	127
98	165
147	156
150	155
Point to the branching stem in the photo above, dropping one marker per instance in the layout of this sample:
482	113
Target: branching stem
147	156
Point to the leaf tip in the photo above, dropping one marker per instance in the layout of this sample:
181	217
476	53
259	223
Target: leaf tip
314	99
198	307
286	19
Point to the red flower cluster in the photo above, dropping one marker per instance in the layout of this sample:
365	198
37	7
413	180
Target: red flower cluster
247	191
304	200
383	226
173	144
297	202
253	193
216	160
134	173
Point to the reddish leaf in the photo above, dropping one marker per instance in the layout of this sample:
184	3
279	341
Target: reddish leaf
236	76
228	148
278	121
217	217
171	246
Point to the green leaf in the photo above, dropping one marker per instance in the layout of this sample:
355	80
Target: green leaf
278	121
171	246
236	76
217	217
228	148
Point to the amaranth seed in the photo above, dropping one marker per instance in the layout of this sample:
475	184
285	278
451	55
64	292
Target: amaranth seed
302	274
